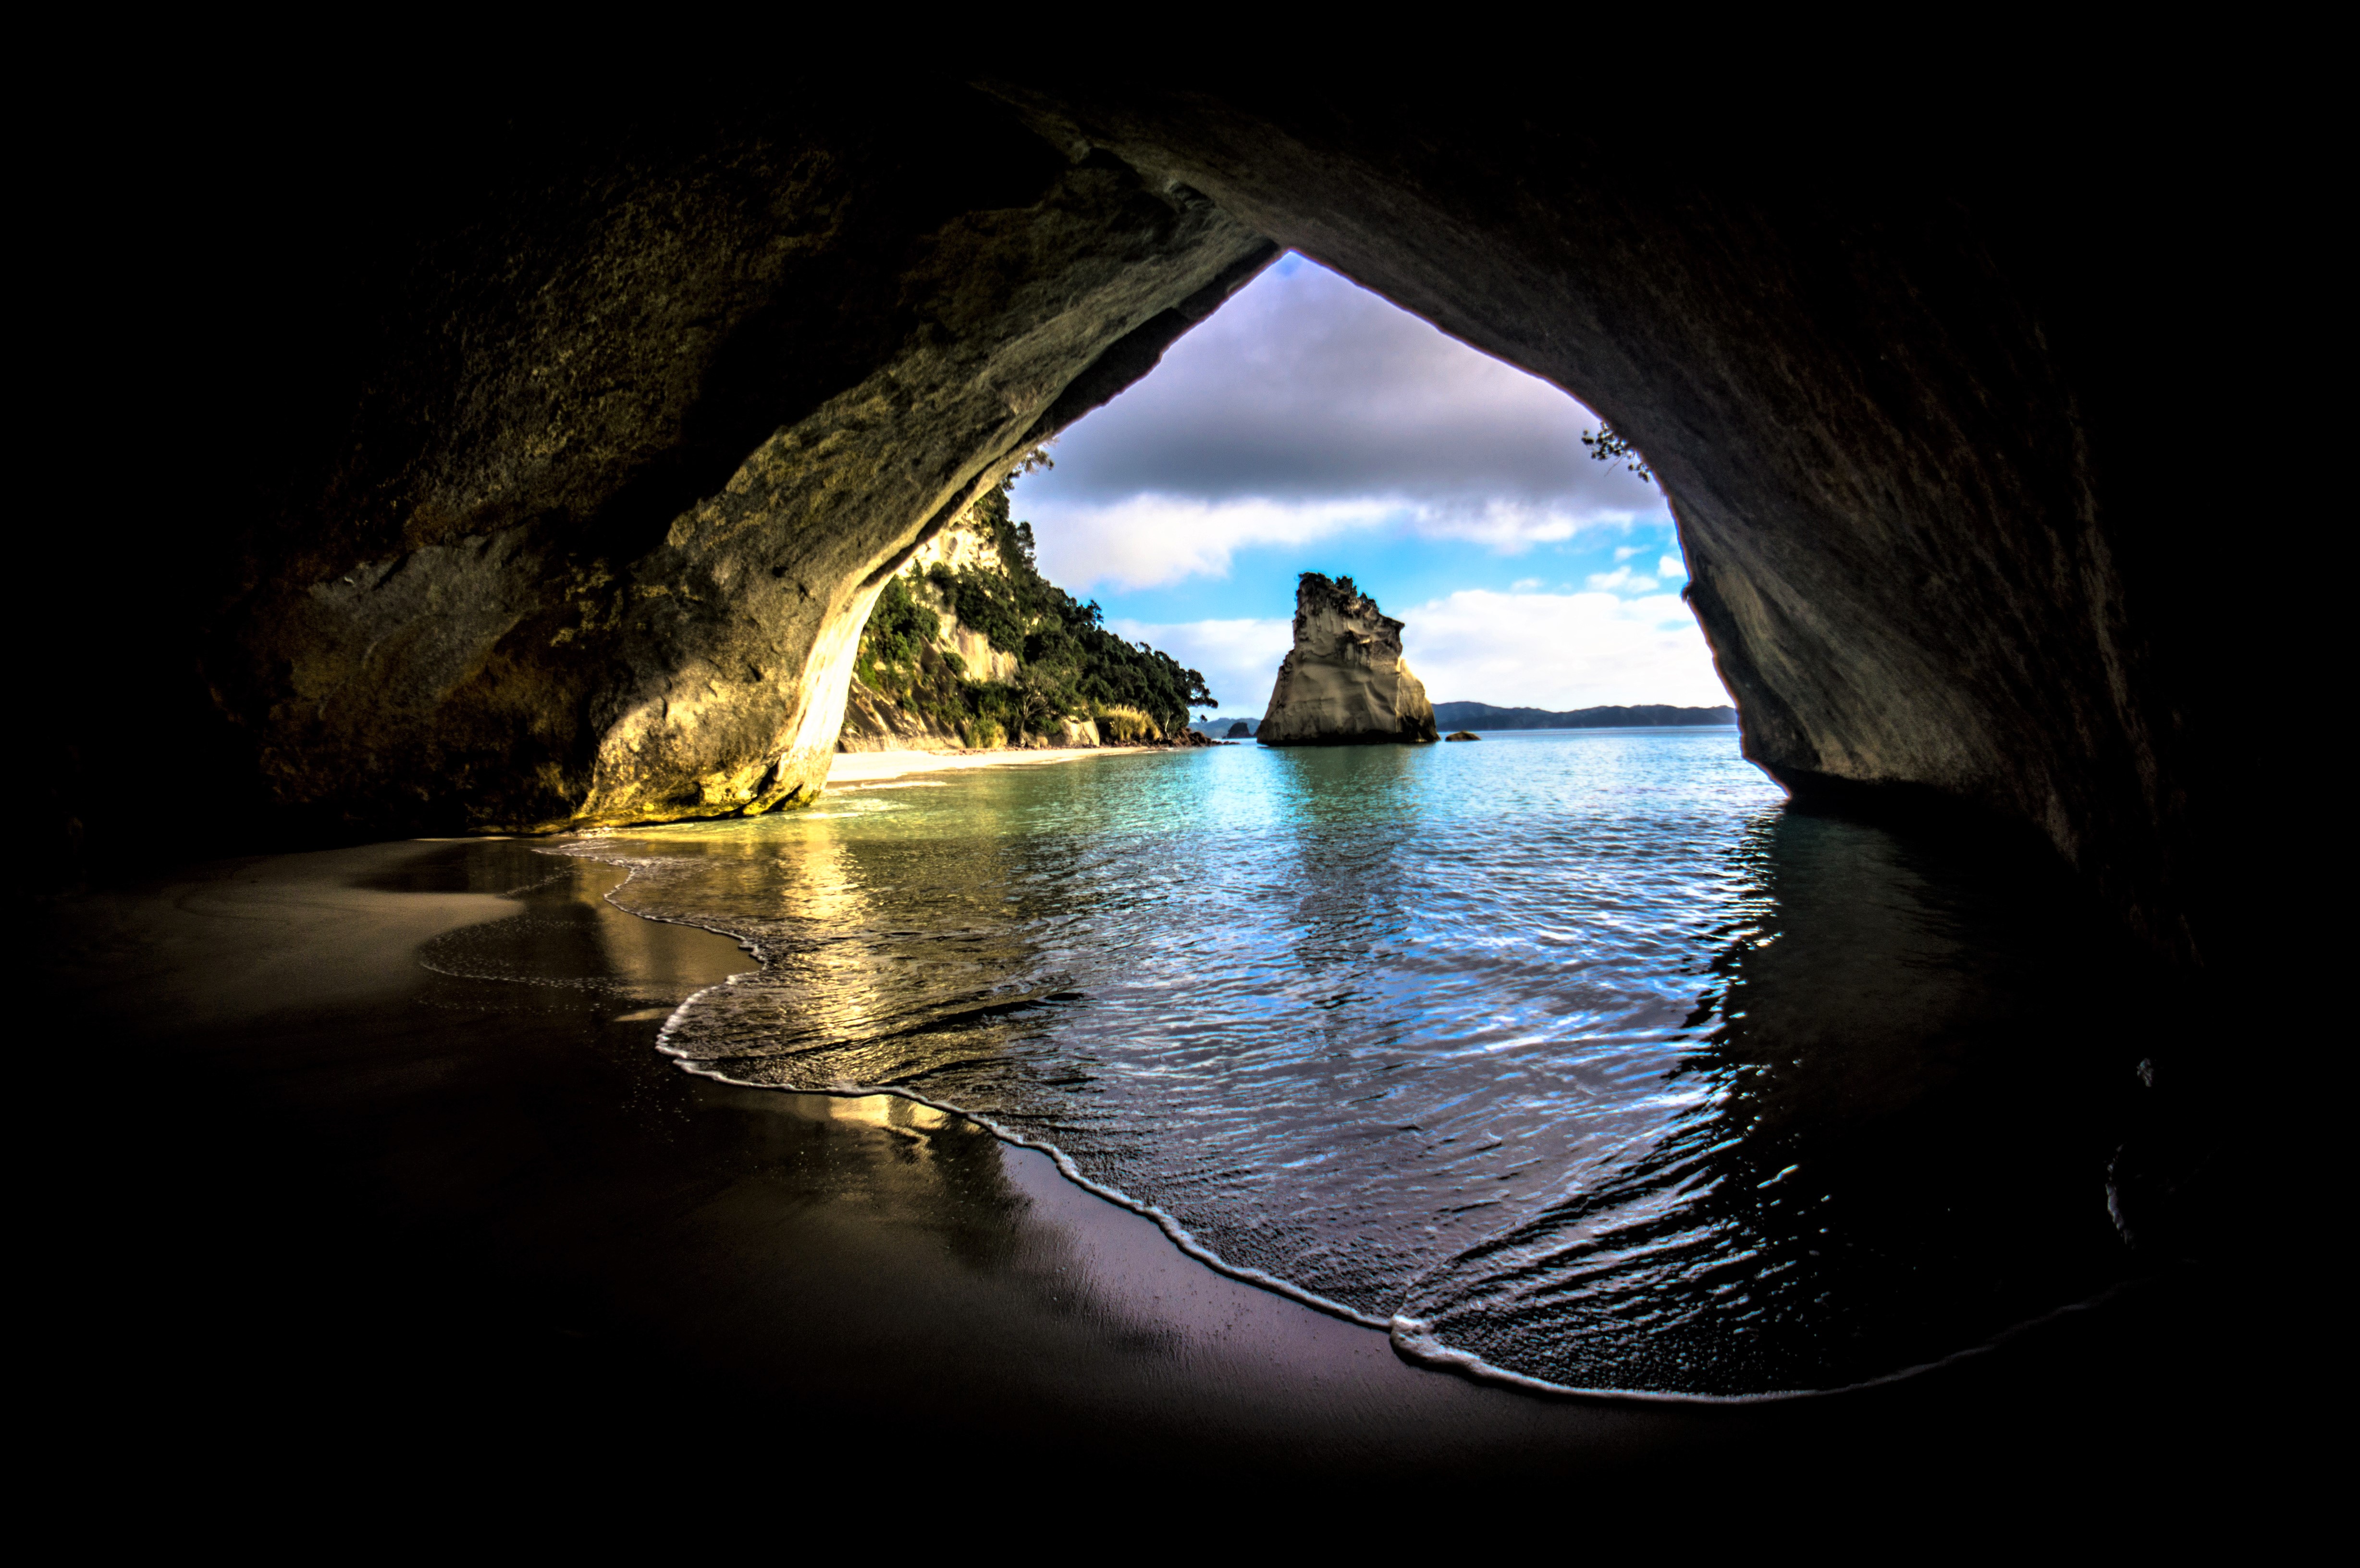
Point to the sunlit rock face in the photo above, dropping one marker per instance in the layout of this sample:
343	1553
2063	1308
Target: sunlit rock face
1344	683
594	533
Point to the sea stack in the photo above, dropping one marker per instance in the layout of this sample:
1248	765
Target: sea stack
1344	683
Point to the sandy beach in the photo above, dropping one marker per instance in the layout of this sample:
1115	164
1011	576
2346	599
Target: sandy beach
857	768
388	1149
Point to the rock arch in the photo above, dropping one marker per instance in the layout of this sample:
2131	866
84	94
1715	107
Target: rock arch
576	517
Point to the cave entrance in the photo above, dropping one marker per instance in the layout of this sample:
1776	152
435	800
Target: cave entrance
1502	1047
1310	425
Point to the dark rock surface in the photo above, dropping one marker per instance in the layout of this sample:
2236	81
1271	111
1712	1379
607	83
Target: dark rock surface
536	470
1462	735
1240	730
1344	683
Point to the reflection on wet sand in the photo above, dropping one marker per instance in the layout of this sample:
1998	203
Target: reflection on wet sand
565	934
881	1186
900	959
569	950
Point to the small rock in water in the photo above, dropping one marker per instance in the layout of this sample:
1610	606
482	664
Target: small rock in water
1462	735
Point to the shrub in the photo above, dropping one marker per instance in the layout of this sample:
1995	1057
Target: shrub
1123	722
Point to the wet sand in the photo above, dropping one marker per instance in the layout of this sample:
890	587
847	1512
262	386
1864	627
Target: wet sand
385	1171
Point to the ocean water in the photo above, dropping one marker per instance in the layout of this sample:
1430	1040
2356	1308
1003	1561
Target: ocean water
1578	1058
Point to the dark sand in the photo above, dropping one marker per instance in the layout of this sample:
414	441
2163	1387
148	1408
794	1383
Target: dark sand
344	1218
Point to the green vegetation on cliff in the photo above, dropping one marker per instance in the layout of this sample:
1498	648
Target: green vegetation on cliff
1069	666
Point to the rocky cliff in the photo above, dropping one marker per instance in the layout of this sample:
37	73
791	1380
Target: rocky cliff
1345	682
916	654
969	646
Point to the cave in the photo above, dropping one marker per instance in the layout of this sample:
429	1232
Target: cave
481	473
564	463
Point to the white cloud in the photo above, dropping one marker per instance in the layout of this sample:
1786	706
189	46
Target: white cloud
1540	650
1239	659
1507	527
1305	406
1149	541
1624	552
1561	650
1525	584
1621	580
1671	566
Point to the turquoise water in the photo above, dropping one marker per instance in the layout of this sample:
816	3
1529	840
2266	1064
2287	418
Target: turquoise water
1578	1056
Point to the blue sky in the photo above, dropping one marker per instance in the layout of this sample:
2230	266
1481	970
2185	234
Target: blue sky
1311	426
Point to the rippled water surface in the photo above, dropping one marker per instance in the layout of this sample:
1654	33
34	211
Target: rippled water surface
1575	1053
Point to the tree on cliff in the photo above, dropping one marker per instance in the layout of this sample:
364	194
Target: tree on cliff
1071	665
898	627
1607	444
